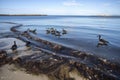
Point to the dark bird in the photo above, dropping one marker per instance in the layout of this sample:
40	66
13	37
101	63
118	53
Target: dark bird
14	46
64	31
34	31
58	33
101	41
48	31
28	43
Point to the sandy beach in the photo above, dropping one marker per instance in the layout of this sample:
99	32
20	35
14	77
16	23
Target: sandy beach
10	72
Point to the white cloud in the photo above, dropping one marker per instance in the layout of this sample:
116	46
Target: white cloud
71	3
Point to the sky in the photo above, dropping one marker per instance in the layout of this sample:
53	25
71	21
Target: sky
60	7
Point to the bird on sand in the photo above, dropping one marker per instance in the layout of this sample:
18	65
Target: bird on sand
14	46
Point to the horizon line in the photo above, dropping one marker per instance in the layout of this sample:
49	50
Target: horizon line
55	15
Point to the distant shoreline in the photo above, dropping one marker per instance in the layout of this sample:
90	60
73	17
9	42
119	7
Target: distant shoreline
104	16
23	15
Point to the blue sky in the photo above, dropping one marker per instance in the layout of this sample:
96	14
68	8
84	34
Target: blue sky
60	7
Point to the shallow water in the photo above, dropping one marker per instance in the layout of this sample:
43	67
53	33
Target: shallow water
5	27
82	32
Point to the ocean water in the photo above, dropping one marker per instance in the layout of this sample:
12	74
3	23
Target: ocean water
82	32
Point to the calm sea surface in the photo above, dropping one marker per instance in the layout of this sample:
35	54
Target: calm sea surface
82	32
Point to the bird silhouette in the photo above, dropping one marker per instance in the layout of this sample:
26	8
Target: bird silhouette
14	46
101	41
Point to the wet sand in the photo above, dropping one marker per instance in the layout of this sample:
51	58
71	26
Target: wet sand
11	72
